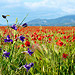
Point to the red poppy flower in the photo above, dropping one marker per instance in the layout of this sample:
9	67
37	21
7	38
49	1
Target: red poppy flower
73	36
48	35
65	55
73	40
40	38
64	44
34	38
63	32
27	43
34	33
64	37
26	38
26	32
60	37
37	31
56	37
52	35
59	43
27	35
22	45
43	36
34	41
49	39
15	36
67	40
45	31
67	36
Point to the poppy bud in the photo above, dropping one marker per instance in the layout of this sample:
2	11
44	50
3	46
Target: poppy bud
24	25
4	16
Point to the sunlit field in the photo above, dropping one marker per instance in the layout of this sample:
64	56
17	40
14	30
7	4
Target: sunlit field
37	50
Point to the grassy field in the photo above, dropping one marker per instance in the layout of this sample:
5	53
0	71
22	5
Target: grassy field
37	50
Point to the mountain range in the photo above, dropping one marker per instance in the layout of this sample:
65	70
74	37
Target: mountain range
68	20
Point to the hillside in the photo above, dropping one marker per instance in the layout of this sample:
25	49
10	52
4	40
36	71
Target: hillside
61	21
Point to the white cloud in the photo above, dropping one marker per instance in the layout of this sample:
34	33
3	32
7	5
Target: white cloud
57	4
33	5
69	10
44	3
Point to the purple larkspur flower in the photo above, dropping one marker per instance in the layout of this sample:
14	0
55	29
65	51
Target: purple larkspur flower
28	66
0	49
6	54
14	27
29	52
8	39
24	25
21	38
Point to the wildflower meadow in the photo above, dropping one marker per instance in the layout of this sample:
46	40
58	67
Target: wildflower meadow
26	50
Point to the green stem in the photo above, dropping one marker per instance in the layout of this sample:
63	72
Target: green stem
23	19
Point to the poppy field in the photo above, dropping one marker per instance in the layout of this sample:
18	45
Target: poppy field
37	50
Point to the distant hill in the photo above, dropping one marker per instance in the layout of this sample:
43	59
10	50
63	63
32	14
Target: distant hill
68	20
0	24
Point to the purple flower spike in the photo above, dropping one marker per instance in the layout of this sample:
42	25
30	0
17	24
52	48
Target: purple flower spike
29	52
22	38
28	66
14	27
6	54
0	49
8	39
24	25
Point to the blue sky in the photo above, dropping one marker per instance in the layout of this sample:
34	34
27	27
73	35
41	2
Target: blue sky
44	9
